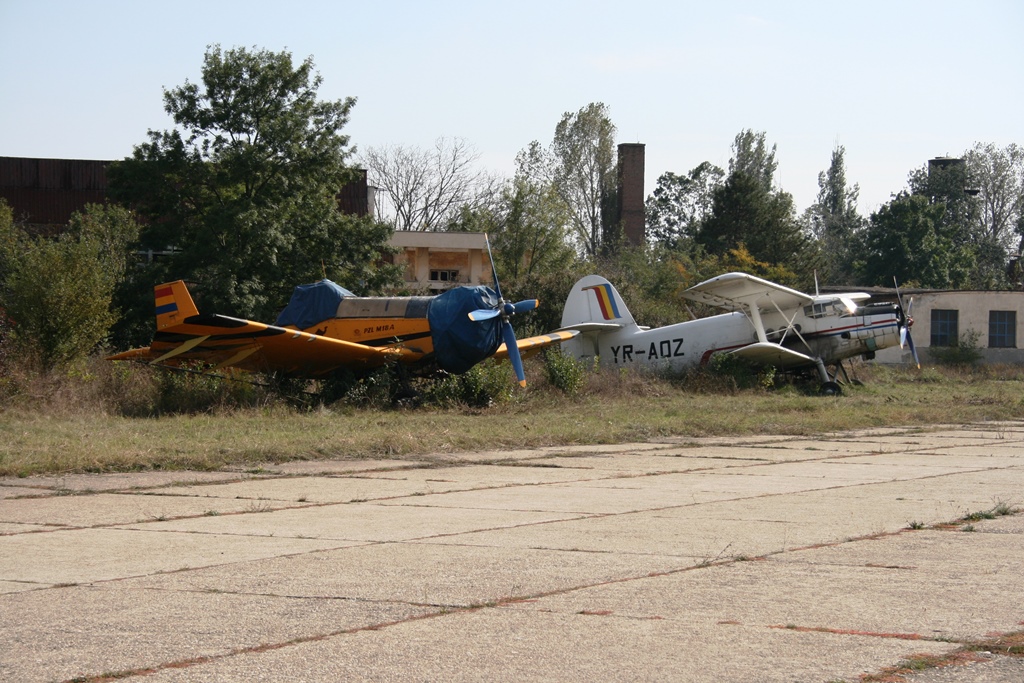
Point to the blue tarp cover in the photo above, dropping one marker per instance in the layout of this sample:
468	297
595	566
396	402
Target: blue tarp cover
311	304
460	343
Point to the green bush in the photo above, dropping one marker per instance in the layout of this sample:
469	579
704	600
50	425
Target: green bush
192	389
379	389
485	384
58	291
742	373
564	372
964	350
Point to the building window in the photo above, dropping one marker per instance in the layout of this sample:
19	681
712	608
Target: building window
945	327
444	276
1002	329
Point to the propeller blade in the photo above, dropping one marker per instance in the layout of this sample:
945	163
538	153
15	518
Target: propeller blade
481	314
509	336
526	305
913	351
848	304
494	270
907	323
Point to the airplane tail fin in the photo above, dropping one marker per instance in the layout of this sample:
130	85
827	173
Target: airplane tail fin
593	303
173	304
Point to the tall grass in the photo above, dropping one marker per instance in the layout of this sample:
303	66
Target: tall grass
101	416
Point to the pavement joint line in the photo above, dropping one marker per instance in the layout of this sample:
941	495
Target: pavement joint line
234	652
506	601
511	600
970	651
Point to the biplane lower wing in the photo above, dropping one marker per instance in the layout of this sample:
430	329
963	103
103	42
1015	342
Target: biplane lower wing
767	353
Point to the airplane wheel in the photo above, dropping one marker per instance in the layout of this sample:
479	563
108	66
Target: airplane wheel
830	389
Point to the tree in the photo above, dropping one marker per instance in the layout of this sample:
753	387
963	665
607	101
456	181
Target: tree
243	189
59	291
427	189
750	155
530	236
904	239
680	203
580	165
834	222
746	215
998	176
748	211
947	183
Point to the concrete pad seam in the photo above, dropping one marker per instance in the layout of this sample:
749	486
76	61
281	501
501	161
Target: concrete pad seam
253	649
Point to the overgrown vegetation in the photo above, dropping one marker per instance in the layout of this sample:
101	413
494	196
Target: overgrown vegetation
564	372
99	416
244	188
962	352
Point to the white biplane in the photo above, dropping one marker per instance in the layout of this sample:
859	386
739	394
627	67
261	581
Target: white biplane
768	324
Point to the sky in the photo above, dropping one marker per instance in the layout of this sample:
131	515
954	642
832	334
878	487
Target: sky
895	83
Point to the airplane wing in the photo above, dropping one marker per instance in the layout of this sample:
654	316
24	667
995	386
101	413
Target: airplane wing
740	291
222	341
531	345
768	353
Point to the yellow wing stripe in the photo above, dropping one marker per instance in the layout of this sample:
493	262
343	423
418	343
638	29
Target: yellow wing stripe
187	346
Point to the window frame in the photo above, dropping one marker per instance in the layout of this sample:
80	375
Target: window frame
1007	334
945	327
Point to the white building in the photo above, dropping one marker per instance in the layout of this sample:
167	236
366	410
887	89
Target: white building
944	317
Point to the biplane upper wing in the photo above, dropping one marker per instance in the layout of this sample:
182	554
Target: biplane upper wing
184	335
740	291
531	345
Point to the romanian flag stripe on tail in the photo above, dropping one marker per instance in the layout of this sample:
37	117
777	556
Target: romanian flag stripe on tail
606	301
173	304
165	302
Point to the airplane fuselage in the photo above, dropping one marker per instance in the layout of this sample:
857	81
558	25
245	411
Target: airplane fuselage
826	334
381	321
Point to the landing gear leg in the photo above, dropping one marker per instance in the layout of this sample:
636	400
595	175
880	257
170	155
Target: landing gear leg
828	387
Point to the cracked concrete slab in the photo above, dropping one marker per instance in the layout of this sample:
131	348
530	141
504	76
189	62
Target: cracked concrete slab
121	481
777	559
631	463
438	574
324	467
111	629
104	509
537	645
310	489
915	602
87	555
356	522
21	492
496	476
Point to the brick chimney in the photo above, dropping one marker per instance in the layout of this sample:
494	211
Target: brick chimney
631	192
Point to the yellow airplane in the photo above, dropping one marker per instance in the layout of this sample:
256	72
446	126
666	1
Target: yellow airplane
325	328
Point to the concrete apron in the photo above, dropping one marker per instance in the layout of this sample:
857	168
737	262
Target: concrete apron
754	559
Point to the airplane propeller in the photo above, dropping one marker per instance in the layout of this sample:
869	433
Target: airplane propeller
905	324
506	310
